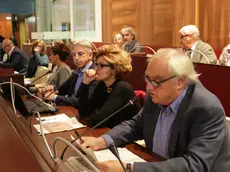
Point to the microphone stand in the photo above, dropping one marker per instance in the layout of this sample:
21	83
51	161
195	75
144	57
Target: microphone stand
89	130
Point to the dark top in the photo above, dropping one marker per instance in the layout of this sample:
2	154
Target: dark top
106	101
66	95
18	61
35	61
199	139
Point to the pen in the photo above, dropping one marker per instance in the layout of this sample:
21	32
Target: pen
79	136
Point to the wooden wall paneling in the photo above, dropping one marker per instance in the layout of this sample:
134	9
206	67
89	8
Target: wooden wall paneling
5	26
162	27
106	20
146	22
214	22
125	13
183	13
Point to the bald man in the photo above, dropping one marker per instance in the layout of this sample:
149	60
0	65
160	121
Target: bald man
17	59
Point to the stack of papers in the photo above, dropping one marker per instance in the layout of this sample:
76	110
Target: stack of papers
58	123
125	155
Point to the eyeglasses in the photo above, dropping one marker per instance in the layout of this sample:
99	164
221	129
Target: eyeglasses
80	53
100	66
155	83
184	36
5	47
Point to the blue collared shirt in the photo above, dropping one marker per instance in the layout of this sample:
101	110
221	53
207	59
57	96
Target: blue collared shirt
79	79
164	126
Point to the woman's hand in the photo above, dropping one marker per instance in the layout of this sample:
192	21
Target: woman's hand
89	76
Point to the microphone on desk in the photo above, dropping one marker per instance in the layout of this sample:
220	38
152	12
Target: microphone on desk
130	102
31	83
112	147
202	54
54	90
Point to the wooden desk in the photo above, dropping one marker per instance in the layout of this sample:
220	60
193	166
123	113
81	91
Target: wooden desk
24	150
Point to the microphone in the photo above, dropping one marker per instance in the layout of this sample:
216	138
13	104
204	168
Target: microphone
39	77
130	102
203	55
112	147
55	89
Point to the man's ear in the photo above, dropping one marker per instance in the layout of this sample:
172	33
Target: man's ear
182	81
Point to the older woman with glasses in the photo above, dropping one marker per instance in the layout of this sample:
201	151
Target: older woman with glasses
111	93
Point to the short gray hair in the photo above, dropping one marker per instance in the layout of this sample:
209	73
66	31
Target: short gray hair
85	44
178	62
191	30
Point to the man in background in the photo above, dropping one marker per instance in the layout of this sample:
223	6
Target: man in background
67	94
129	40
198	51
17	59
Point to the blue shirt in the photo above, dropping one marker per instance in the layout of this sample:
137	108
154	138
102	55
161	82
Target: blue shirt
79	79
164	126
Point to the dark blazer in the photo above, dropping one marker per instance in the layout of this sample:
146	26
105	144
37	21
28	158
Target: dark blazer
107	100
68	87
199	138
18	61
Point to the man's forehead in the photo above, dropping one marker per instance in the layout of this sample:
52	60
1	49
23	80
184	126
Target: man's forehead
158	67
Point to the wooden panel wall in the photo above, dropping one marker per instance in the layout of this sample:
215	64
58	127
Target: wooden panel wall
5	26
214	22
156	22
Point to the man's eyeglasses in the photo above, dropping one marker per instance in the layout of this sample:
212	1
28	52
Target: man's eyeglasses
80	53
5	47
184	36
100	66
155	83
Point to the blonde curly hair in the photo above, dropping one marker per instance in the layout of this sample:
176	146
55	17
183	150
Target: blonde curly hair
116	57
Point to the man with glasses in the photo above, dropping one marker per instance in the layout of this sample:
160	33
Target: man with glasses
198	51
17	59
129	40
181	121
82	53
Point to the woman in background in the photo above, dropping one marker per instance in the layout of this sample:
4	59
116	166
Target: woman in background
111	92
61	72
39	58
118	40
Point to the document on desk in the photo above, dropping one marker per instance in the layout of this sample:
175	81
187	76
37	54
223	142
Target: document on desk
58	123
125	155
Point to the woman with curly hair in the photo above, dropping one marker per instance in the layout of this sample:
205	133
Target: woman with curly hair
112	92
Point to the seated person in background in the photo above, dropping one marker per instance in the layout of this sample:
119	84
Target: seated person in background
61	72
111	92
82	53
17	59
129	40
225	56
39	58
181	121
118	40
198	51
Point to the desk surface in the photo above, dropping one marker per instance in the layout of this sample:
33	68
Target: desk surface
27	151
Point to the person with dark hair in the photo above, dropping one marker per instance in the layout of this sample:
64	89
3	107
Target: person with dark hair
61	72
111	92
17	59
129	40
39	58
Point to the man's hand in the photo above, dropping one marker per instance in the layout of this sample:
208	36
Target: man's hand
95	143
110	166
